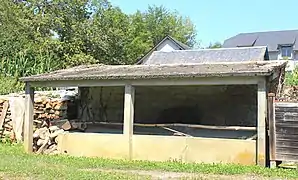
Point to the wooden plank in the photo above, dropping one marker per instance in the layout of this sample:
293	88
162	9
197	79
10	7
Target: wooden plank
285	141
271	121
3	114
287	146
261	125
129	98
177	132
287	157
286	151
286	104
28	122
289	130
285	136
187	125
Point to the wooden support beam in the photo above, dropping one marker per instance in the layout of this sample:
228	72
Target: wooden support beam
261	125
28	121
129	115
272	134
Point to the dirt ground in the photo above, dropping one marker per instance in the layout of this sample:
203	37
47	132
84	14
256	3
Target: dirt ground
159	175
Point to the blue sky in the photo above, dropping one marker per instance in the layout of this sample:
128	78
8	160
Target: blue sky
217	20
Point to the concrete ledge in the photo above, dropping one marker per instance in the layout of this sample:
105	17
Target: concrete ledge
159	148
193	149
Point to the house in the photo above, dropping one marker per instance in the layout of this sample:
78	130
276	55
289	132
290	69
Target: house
281	44
167	44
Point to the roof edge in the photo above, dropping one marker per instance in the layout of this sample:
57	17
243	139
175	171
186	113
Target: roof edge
278	64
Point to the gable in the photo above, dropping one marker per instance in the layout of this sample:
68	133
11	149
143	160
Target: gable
168	44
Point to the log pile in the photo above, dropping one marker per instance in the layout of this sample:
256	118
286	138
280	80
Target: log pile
45	138
51	114
289	94
6	126
48	110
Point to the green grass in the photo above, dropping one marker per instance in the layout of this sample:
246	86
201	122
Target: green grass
15	163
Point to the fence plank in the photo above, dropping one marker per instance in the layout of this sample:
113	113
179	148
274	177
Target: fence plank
286	131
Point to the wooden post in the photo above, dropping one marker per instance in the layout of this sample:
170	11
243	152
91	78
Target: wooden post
262	110
272	135
28	120
129	116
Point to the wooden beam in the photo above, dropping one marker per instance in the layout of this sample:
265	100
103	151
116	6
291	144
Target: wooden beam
236	128
28	122
261	125
230	80
129	98
272	134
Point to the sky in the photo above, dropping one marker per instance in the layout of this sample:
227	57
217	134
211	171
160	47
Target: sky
217	20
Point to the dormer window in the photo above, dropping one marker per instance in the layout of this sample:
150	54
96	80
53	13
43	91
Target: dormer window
286	51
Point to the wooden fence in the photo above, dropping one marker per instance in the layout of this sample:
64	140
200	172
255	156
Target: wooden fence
283	130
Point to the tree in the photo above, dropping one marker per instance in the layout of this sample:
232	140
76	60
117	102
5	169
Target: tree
150	27
214	45
38	36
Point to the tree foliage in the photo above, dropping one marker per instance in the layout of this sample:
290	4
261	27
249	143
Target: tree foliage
214	45
38	36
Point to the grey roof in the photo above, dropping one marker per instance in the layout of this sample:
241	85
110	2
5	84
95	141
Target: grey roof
271	39
209	55
181	45
130	72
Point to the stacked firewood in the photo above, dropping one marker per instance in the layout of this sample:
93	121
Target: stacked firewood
48	110
50	113
6	126
45	138
289	94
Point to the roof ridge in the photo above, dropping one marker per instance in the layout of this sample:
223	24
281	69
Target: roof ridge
270	31
216	49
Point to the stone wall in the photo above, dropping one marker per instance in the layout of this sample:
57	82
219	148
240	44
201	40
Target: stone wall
209	105
101	104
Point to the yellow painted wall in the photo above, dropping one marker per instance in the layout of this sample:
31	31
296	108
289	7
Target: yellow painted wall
189	149
160	148
94	145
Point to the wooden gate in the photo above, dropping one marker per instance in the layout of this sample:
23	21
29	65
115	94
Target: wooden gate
283	130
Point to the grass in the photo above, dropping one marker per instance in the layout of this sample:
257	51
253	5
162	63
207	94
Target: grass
15	163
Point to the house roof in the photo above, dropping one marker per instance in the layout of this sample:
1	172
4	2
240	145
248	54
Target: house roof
271	39
181	45
131	72
209	55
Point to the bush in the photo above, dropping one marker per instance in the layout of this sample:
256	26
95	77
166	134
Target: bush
10	85
291	78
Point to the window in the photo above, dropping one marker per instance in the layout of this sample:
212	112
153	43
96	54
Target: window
286	51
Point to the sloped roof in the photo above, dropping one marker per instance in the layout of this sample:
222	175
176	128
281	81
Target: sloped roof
181	45
209	55
271	39
130	72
